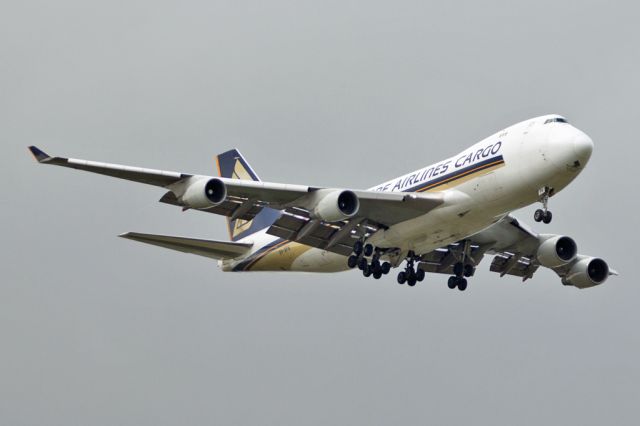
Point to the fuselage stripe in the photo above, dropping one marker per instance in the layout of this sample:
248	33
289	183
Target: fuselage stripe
459	174
249	262
271	249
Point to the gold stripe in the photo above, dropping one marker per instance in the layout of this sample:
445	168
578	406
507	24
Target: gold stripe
274	261
266	252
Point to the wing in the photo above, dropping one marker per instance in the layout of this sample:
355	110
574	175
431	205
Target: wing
137	174
377	211
516	251
243	199
207	248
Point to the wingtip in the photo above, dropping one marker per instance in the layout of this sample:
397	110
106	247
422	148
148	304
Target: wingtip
132	236
38	154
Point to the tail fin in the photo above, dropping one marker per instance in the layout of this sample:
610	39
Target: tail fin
232	164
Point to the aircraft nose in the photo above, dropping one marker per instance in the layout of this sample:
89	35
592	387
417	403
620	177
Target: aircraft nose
583	146
569	148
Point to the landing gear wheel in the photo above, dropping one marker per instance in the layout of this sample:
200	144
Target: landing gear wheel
539	215
411	281
386	267
402	277
362	264
357	248
377	270
458	269
469	270
352	261
367	271
452	283
547	217
377	275
368	250
375	264
462	284
420	275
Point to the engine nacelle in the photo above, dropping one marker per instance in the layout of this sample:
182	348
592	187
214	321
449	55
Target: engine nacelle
557	251
587	273
204	193
336	206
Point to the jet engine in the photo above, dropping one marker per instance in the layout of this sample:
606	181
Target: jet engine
587	272
557	251
336	206
204	193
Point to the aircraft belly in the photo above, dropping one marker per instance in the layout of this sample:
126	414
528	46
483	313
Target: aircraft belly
280	258
292	256
317	260
426	234
479	203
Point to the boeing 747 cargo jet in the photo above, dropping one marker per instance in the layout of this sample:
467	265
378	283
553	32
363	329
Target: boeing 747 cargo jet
442	219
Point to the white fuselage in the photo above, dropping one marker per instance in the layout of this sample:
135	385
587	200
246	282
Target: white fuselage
482	184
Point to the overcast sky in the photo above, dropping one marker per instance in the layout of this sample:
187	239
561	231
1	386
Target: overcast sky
99	330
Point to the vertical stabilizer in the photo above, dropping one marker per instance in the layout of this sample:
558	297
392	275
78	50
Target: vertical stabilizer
232	164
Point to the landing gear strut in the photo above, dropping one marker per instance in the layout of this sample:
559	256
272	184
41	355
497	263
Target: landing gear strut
544	214
411	275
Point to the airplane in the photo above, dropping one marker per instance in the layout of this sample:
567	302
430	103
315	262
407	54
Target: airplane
441	219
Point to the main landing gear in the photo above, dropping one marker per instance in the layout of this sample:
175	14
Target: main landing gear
459	282
410	275
544	214
359	258
462	269
366	258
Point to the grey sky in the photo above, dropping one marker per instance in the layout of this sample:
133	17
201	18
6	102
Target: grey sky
102	331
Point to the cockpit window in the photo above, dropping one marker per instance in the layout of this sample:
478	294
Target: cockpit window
555	120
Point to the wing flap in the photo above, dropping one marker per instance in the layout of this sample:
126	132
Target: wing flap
226	208
442	260
208	248
512	264
336	237
290	227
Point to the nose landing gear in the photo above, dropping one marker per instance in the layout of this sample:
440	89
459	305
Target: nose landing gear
544	214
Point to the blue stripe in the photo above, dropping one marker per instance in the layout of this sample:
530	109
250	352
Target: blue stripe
455	175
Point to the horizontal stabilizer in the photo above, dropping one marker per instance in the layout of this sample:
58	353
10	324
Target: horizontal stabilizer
207	248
